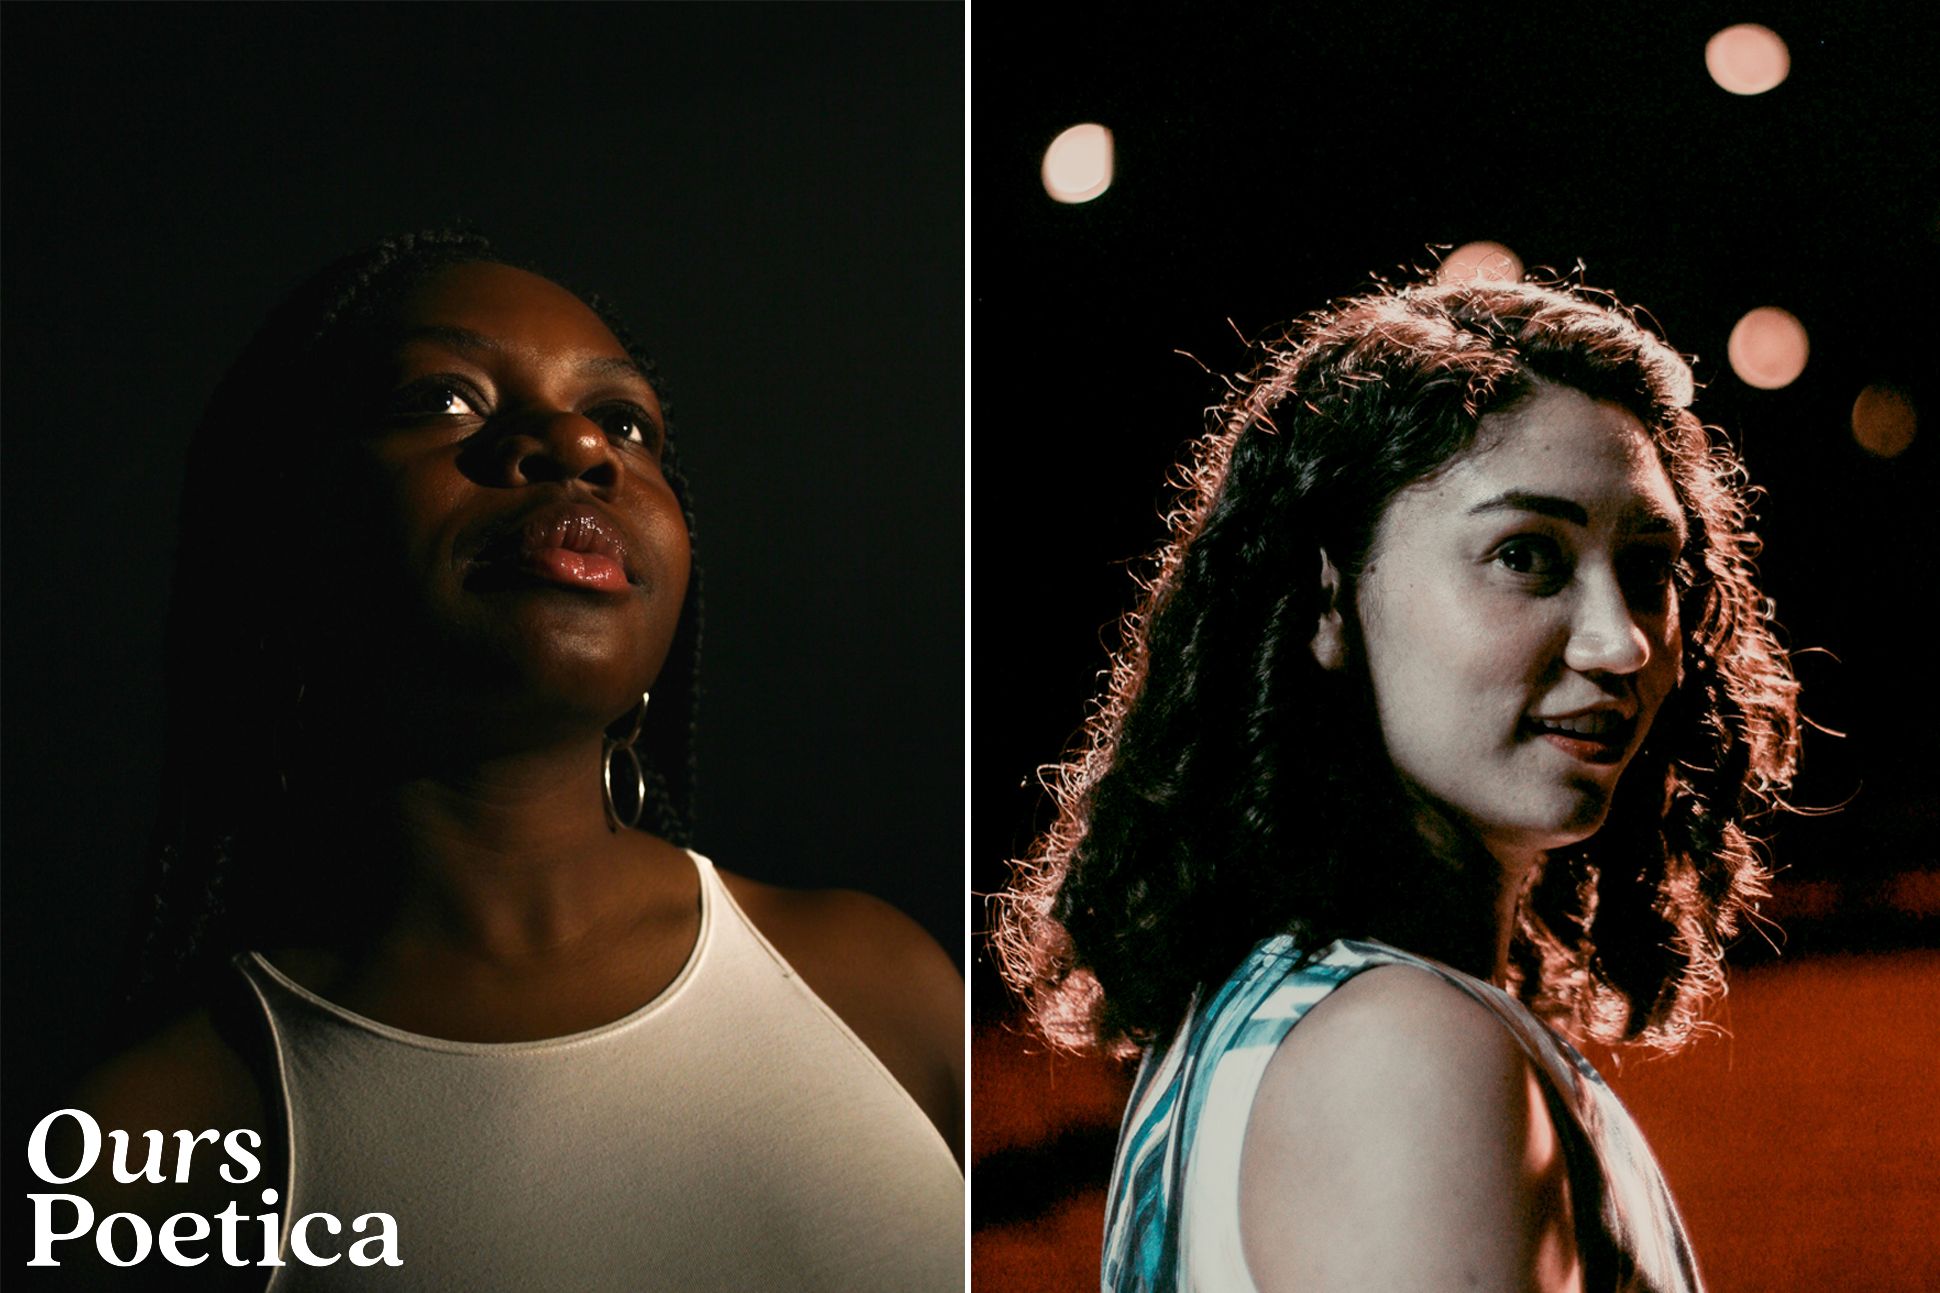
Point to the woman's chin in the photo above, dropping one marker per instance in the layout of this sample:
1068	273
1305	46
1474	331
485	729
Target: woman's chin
1559	822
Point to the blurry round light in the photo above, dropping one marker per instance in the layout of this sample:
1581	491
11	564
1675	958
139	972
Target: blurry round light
1747	59
1883	421
1768	348
1077	165
1481	262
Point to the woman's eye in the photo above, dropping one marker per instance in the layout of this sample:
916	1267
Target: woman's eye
434	399
1649	570
628	422
1533	555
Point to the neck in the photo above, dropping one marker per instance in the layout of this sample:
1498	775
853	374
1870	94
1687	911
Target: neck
508	856
1490	881
1515	871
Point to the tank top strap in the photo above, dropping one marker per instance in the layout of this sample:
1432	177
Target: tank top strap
1172	1214
1172	1219
731	1133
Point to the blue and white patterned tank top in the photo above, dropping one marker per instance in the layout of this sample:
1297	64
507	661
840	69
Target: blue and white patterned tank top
1172	1216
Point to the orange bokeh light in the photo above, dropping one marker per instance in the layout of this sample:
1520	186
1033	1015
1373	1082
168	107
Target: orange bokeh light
1883	421
1747	59
1768	348
1078	164
1481	262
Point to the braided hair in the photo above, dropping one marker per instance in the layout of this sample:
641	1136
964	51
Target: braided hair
1227	788
234	695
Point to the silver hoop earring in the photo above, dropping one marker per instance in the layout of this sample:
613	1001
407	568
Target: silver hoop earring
611	751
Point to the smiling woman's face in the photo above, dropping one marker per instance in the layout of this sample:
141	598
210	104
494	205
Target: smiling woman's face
497	520
1520	621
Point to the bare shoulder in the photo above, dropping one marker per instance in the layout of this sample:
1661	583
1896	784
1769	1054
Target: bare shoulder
846	930
187	1075
859	953
1400	1139
175	1124
882	973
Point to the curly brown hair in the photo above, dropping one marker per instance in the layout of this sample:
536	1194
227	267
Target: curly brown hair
1227	788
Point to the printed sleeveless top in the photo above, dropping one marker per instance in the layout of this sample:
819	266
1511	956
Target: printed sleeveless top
1172	1215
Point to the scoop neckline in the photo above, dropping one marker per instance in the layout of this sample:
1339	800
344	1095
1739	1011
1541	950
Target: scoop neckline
425	1041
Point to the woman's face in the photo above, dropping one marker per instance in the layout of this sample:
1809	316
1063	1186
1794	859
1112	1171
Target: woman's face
495	520
1520	621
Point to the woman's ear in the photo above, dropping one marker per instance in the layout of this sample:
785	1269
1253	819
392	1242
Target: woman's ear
1330	638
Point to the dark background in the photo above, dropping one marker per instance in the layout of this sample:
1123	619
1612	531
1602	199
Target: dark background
1285	156
1272	157
773	196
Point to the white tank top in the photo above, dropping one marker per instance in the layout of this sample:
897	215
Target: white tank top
732	1133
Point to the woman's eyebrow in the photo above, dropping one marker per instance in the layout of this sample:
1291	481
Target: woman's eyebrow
457	338
1516	500
1638	518
613	366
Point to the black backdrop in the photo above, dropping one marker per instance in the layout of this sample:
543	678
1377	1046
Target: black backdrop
774	198
1270	158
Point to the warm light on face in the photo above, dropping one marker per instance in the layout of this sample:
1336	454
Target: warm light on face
1747	59
1768	348
1526	585
1481	262
1883	421
1077	165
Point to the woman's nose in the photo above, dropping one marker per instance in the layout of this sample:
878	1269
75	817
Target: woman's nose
1605	636
558	446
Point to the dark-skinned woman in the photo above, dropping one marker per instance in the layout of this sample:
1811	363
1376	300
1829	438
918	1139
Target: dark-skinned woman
424	892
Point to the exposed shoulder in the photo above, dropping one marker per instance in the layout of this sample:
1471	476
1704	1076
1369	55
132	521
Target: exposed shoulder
190	1074
1400	1139
882	974
217	1144
841	930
